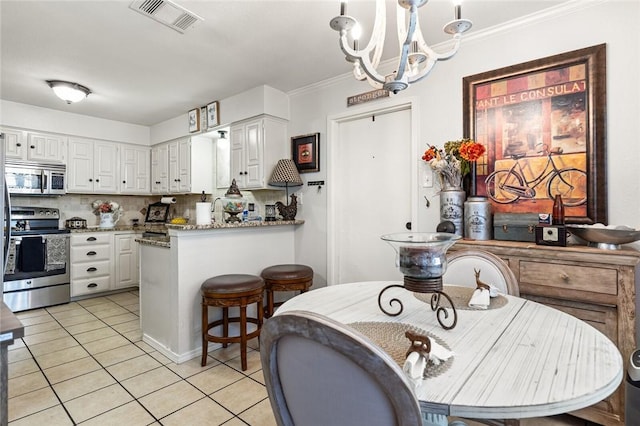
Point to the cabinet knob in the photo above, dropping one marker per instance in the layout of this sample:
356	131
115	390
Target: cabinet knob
97	180
92	285
564	277
157	183
33	147
90	180
124	181
92	269
18	144
91	239
91	253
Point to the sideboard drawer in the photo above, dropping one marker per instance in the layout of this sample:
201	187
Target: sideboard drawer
570	277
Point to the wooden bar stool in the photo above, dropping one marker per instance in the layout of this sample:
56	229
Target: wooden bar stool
285	278
225	291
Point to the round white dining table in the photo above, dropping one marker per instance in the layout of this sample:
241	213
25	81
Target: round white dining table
521	359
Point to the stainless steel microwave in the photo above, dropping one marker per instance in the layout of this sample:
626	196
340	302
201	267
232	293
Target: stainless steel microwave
27	178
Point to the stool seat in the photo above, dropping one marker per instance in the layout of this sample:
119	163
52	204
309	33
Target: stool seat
231	283
289	277
287	272
226	291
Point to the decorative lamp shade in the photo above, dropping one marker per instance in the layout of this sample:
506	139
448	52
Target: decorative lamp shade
285	174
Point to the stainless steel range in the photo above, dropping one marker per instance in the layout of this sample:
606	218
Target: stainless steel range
37	269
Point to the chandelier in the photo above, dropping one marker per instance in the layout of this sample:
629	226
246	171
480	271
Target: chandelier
416	57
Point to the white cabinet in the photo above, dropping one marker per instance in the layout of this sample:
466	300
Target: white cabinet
103	261
183	166
127	268
92	166
256	147
180	166
14	142
33	146
91	263
134	169
160	169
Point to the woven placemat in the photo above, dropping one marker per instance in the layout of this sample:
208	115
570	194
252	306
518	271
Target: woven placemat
390	337
460	297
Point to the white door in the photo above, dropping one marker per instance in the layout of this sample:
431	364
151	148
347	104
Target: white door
372	183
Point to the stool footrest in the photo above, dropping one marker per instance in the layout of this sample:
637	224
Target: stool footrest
231	339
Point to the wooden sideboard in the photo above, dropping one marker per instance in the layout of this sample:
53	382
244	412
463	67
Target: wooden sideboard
597	286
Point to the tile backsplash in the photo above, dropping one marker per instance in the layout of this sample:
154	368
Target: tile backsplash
135	207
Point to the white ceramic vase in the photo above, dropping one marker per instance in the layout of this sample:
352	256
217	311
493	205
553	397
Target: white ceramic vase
107	220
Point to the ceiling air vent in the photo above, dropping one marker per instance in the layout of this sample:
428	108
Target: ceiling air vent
168	13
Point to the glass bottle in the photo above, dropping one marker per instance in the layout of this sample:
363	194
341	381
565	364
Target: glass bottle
558	211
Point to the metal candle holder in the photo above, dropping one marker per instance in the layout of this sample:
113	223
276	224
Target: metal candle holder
421	257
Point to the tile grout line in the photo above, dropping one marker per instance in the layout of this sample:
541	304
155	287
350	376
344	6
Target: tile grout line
184	379
89	355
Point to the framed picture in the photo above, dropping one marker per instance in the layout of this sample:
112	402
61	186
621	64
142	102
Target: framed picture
194	120
543	126
157	212
305	152
213	115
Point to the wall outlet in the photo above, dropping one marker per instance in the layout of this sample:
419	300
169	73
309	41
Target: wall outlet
427	178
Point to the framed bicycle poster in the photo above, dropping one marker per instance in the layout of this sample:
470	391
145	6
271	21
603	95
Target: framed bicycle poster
543	126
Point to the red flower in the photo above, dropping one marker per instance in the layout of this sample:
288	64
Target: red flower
104	208
471	150
430	153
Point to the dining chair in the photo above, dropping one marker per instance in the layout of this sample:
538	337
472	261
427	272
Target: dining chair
462	264
320	372
461	270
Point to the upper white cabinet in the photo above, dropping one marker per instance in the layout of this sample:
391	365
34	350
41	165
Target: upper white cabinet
35	146
103	167
160	169
256	147
183	166
135	171
92	166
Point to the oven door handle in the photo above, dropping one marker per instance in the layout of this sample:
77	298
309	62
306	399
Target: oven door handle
7	224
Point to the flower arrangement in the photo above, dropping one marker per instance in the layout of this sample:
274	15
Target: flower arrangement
454	161
100	206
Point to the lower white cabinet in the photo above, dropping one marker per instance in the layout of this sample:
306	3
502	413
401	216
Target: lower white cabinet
127	267
103	261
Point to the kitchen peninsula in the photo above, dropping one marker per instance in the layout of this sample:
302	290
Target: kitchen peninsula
172	270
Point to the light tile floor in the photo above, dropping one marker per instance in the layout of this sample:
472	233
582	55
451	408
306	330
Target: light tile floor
85	363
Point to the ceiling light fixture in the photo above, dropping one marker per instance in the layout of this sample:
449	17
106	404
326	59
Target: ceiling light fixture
416	57
67	91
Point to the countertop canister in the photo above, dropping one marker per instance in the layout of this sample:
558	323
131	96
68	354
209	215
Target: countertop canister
478	222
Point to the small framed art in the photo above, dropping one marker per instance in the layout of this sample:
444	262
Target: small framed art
213	115
194	120
305	151
157	212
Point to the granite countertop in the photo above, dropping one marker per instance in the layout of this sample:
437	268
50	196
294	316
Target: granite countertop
166	242
224	225
139	228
